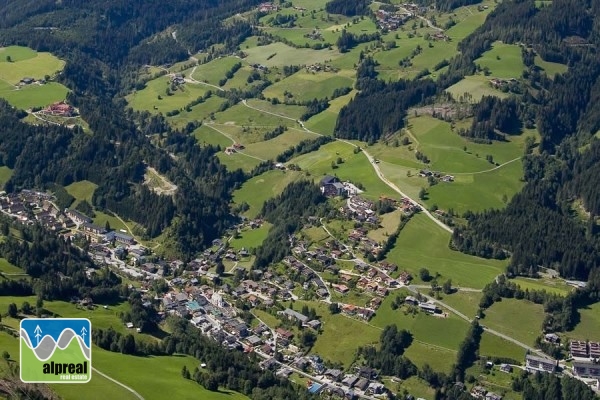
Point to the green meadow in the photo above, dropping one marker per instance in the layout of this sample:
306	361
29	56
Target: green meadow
7	268
154	96
251	238
305	86
213	71
33	95
503	60
463	301
551	68
261	188
238	161
556	286
587	328
82	190
524	325
245	116
198	112
423	244
279	54
206	135
476	86
494	346
27	63
287	110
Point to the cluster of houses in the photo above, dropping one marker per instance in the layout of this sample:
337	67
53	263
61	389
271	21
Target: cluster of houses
391	21
415	8
360	381
440	36
359	238
479	392
425	173
586	359
361	210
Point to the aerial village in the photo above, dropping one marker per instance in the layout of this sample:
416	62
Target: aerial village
216	308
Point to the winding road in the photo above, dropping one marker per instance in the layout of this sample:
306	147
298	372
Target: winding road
371	161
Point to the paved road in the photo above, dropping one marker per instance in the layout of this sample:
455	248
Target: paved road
371	161
136	394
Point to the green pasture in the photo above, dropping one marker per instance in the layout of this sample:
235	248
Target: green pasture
524	325
115	223
476	86
339	341
271	148
261	188
438	358
27	63
213	71
287	110
198	112
463	301
5	174
206	135
551	68
245	116
279	54
494	346
251	238
587	328
148	98
166	373
82	190
238	161
446	333
324	122
33	95
418	388
306	86
503	60
240	79
7	268
423	244
389	223
556	286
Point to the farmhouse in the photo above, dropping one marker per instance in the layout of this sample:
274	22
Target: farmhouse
61	109
540	364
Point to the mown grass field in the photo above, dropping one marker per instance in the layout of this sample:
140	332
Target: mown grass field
251	238
166	373
27	63
551	68
503	60
263	187
33	95
82	190
206	135
524	325
213	71
389	223
115	223
423	244
8	268
306	86
270	149
556	286
238	161
465	302
324	122
279	54
198	112
245	116
476	86
288	110
148	98
587	328
494	346
447	333
417	387
337	343
438	358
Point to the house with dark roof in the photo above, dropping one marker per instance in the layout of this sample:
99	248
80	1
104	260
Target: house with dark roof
331	186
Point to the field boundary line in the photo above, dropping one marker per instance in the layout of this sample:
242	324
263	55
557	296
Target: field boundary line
136	394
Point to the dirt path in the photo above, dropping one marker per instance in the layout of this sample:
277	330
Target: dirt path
136	394
211	126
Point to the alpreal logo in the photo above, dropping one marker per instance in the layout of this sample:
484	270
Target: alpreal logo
56	350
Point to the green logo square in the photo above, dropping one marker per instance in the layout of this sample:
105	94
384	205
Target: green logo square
56	350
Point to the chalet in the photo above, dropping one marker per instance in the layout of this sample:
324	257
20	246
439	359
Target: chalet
375	388
552	338
350	380
284	334
95	229
540	364
334	374
178	79
365	313
78	217
294	315
429	308
411	300
492	396
27	81
343	289
362	384
61	109
478	392
506	368
314	324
